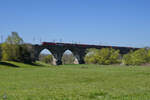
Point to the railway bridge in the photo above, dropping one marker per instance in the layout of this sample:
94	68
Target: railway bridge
78	50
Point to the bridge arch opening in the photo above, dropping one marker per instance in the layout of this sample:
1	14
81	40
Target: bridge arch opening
45	56
69	58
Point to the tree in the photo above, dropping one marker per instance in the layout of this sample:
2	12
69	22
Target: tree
11	47
91	56
127	58
14	38
25	54
14	50
104	56
137	57
6	52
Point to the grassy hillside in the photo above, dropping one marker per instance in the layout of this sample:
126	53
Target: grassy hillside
73	82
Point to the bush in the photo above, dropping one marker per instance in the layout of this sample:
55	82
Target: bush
104	56
68	59
137	57
48	59
127	59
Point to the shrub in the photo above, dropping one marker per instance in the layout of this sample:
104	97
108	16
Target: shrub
48	59
104	56
127	59
91	56
68	59
137	57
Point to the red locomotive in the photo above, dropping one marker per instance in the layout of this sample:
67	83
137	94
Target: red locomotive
48	43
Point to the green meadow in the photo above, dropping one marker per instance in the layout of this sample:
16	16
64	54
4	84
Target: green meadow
40	81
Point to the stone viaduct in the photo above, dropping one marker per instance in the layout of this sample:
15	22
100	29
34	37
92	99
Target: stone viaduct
78	50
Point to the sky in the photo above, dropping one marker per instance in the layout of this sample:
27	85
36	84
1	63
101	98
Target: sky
102	22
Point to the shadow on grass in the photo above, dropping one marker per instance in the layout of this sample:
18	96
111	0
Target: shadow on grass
36	64
8	64
30	64
40	65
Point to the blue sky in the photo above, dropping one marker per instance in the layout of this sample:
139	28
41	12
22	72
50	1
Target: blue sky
107	22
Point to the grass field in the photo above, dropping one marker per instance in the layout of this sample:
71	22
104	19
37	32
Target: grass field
73	82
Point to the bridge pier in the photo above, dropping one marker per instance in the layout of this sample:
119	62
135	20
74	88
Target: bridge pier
58	53
58	62
80	54
81	61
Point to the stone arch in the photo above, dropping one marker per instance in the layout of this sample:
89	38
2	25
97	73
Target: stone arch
47	52
69	54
